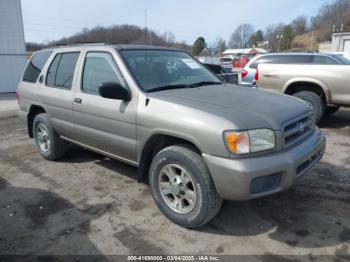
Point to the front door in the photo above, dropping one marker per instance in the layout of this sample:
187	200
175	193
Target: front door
107	125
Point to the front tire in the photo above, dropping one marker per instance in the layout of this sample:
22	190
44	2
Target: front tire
182	187
49	144
315	101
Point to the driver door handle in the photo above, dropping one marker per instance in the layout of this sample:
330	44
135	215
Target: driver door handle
78	100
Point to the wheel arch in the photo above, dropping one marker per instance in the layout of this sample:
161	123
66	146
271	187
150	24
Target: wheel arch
155	143
34	110
312	85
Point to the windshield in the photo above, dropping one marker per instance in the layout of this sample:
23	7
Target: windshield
157	70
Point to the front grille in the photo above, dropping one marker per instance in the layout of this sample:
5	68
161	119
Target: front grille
298	129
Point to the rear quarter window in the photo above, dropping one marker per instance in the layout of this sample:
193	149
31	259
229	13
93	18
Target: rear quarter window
35	65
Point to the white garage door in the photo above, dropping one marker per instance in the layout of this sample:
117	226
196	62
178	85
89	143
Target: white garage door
347	46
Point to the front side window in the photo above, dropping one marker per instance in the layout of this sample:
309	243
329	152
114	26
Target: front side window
157	70
35	66
99	67
61	70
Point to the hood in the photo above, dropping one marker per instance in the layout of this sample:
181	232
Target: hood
247	108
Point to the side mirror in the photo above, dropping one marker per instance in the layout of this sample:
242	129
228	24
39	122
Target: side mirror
113	90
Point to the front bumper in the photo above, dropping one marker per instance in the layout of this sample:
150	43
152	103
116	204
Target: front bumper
233	177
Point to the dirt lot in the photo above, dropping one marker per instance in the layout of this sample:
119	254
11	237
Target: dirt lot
89	204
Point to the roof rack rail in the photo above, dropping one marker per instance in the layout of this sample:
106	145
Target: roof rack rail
79	43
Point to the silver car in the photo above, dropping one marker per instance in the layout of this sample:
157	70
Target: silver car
249	73
195	140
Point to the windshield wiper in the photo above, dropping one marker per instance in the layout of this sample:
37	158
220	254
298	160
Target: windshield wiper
167	87
205	83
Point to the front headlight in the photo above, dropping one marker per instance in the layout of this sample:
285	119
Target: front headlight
251	141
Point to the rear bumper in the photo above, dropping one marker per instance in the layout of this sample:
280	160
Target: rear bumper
247	84
235	179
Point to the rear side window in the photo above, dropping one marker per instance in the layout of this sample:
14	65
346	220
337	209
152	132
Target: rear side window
61	70
297	59
99	67
324	60
265	60
283	59
51	73
35	66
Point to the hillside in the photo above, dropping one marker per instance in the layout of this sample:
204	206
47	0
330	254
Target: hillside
117	34
308	41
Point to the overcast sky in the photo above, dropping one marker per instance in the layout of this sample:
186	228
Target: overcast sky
52	19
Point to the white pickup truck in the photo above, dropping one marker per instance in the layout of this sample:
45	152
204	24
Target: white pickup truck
326	87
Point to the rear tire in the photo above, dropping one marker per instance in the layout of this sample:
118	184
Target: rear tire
48	142
315	101
173	162
331	110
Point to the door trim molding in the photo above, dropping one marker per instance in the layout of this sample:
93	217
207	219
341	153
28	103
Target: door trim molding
136	164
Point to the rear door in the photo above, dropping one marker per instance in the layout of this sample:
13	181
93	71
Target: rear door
106	125
56	94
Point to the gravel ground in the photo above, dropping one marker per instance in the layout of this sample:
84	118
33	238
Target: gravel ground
89	204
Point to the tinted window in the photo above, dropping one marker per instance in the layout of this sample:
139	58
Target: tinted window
324	60
35	66
65	70
283	59
256	62
273	59
99	68
342	59
51	73
297	59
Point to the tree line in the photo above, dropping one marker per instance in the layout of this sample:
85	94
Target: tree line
334	17
116	34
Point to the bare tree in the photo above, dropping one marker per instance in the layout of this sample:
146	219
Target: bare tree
272	33
335	14
241	36
299	25
219	46
169	38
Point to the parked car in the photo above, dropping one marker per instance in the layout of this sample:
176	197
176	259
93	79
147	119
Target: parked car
225	74
323	82
249	72
195	140
227	61
241	62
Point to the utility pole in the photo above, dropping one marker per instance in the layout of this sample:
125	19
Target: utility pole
145	26
279	37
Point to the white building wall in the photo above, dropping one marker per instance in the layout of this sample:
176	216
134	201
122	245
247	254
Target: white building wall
12	45
341	42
